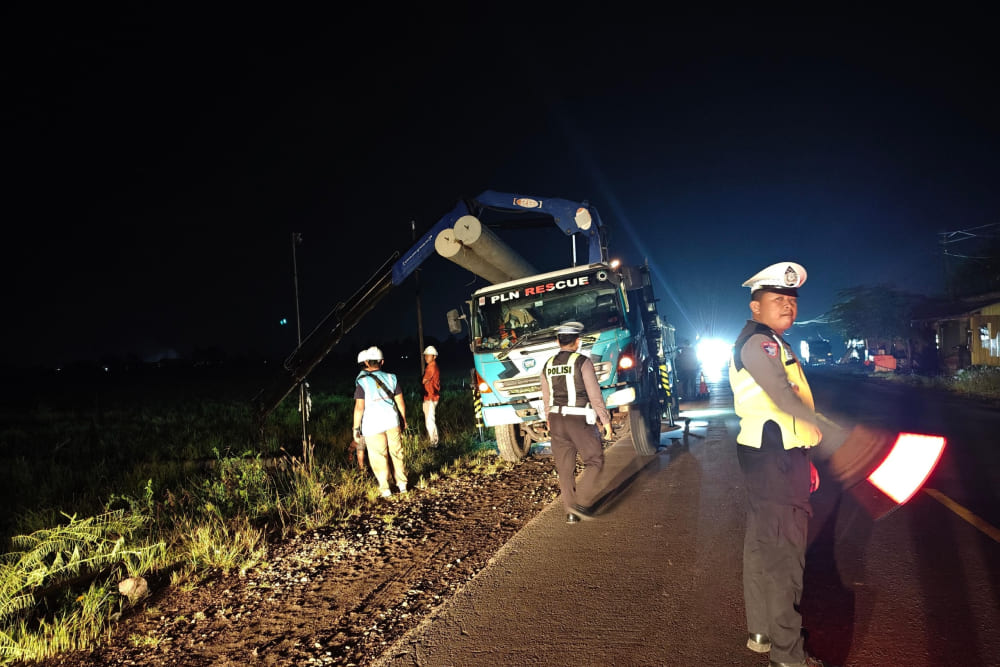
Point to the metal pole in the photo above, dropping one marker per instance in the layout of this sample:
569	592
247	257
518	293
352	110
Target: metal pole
420	318
948	283
296	240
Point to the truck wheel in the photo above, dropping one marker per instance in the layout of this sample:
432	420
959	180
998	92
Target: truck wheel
644	422
512	444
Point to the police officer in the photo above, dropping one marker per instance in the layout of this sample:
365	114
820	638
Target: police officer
571	397
778	426
379	416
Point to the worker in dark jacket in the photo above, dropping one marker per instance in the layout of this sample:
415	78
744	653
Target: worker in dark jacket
687	371
778	426
571	397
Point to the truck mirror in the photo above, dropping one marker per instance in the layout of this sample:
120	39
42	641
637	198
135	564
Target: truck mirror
455	321
632	277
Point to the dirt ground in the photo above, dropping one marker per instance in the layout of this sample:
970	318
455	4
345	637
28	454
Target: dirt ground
340	595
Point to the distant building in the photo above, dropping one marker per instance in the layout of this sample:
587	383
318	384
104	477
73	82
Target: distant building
967	330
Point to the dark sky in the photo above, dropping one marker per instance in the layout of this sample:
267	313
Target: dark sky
156	170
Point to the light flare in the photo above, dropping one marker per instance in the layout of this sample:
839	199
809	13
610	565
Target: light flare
714	354
908	465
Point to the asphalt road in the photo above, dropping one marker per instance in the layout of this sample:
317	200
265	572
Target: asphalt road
655	578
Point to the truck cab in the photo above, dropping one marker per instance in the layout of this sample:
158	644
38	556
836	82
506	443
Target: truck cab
512	332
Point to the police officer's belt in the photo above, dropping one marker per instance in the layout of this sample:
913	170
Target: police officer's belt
570	410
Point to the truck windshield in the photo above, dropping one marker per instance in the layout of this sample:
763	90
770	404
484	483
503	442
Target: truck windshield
505	317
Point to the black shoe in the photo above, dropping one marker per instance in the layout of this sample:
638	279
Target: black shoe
582	512
758	643
572	518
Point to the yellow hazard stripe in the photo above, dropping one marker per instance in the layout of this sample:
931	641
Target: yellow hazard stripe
983	526
477	404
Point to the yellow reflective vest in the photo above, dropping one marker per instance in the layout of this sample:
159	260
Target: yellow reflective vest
755	408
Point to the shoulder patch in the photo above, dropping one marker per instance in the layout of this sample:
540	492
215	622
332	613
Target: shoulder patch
770	347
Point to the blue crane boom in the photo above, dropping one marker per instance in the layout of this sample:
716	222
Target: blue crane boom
500	209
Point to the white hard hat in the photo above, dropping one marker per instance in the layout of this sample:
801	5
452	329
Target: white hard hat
371	354
570	328
430	349
781	276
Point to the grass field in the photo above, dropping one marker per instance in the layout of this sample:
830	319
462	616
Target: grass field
110	478
107	478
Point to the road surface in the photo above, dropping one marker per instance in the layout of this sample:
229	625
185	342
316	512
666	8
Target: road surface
655	578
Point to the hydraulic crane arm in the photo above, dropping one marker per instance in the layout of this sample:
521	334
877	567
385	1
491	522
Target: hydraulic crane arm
499	209
507	209
320	341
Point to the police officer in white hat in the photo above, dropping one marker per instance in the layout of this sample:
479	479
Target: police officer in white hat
778	426
571	396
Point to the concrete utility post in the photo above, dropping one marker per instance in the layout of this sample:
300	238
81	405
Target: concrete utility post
303	408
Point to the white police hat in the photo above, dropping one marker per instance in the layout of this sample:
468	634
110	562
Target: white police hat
570	328
784	277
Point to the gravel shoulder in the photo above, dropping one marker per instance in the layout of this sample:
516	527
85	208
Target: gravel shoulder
340	595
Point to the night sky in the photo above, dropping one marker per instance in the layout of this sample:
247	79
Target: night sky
156	170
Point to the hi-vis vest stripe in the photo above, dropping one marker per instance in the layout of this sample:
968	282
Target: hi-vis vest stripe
755	408
379	415
562	379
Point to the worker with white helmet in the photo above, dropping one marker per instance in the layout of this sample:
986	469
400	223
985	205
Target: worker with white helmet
778	427
379	417
432	393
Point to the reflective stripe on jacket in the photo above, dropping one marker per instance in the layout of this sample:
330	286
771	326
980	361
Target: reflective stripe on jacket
755	408
379	415
565	379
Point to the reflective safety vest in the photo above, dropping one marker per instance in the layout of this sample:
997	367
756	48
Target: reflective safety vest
755	408
380	414
566	388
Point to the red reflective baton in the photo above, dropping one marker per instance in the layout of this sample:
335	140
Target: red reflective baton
907	465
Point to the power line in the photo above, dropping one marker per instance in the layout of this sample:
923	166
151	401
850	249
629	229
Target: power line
965	234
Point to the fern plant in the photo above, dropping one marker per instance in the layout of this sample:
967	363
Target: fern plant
50	558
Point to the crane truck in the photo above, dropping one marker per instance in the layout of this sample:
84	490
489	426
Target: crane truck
512	320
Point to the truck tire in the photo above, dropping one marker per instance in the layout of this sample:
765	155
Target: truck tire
644	422
512	444
644	416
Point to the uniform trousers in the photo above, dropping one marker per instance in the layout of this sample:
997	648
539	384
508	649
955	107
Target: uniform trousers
572	435
430	420
382	446
774	548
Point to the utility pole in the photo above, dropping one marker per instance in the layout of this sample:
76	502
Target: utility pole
303	406
948	283
420	319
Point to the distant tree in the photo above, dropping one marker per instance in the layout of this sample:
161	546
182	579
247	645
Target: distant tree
875	314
